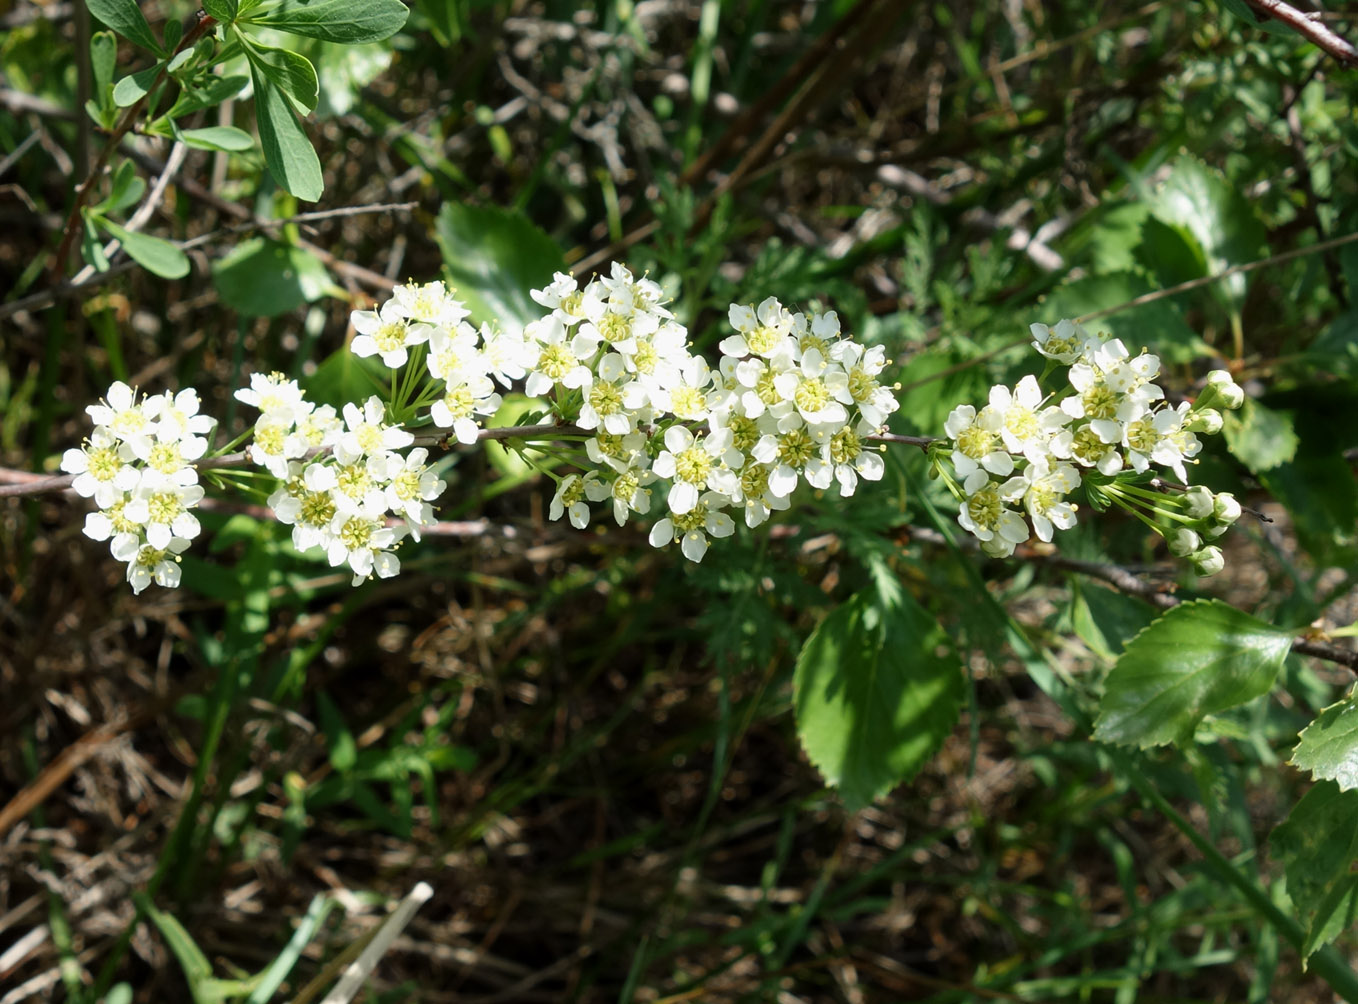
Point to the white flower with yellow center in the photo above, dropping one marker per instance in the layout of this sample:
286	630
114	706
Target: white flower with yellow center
163	512
455	354
1042	490
367	433
570	499
175	416
693	527
846	455
120	412
627	491
559	357
278	399
986	516
1064	343
412	487
814	389
461	403
756	496
696	465
1161	437
320	427
365	544
977	442
147	564
763	332
387	332
617	452
168	461
1086	447
113	525
275	444
428	303
101	468
1025	426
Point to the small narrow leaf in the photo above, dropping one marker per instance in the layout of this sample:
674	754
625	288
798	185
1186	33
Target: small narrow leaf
134	86
151	253
1328	747
877	689
197	969
225	138
287	151
494	257
91	248
1197	659
1317	844
126	190
125	17
103	62
348	21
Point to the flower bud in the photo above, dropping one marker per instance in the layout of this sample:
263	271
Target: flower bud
1206	420
1226	509
1183	542
1198	502
1214	531
1228	392
1209	560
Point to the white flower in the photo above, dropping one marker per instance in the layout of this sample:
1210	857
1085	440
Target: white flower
146	563
756	496
561	297
168	461
386	332
413	486
985	515
454	355
319	427
761	333
120	412
694	526
695	465
101	468
558	359
618	452
175	416
1042	490
506	357
813	389
846	455
275	444
278	398
163	511
569	499
977	440
1161	437
307	504
1025	426
1065	343
627	491
1088	448
792	452
428	303
367	433
365	544
460	403
112	525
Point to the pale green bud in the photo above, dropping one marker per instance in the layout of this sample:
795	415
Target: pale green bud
1230	394
1198	502
1183	542
1207	421
1209	560
1226	509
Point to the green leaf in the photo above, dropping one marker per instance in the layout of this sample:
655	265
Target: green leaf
194	98
348	21
125	17
343	377
1317	843
121	993
103	63
265	278
134	86
1158	326
877	689
494	258
226	138
151	253
126	189
1260	438
197	969
1106	620
91	247
339	741
1328	747
222	11
1201	202
291	72
289	154
1197	659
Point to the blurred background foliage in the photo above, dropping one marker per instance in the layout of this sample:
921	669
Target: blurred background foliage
585	747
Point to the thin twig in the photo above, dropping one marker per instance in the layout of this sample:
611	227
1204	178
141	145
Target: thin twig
1309	26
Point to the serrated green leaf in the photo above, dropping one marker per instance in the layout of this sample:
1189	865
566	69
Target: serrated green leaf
1328	747
288	152
1197	659
1317	843
125	17
152	253
1260	437
348	21
265	278
494	258
226	138
339	741
289	71
1223	222
134	86
877	689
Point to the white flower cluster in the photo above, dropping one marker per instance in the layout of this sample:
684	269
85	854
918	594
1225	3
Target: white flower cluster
790	401
1026	451
137	465
342	476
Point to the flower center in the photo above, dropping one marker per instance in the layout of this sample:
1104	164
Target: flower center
615	327
762	340
810	342
610	445
1087	446
165	457
625	487
861	384
845	446
1100	401
691	520
357	532
149	557
605	398
1021	422
811	395
693	465
744	432
407	485
164	507
556	361
1141	435
754	481
764	388
369	437
390	336
687	402
572	491
986	507
353	480
645	357
104	464
270	439
795	448
317	509
121	524
975	442
459	401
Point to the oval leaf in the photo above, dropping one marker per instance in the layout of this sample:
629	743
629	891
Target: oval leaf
1328	747
151	253
226	138
287	151
877	689
264	278
494	258
291	72
1197	659
125	17
1317	843
349	21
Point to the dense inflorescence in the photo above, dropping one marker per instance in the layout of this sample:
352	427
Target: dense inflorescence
1027	451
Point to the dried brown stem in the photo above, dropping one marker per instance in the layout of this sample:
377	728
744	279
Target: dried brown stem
1310	26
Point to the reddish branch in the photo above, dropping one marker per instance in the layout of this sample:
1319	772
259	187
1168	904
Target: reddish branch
1310	26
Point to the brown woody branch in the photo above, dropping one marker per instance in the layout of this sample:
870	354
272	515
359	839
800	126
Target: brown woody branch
1310	26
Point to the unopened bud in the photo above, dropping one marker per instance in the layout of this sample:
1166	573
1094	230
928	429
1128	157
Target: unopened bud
1228	392
1209	560
1198	502
1226	509
1183	542
1207	421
